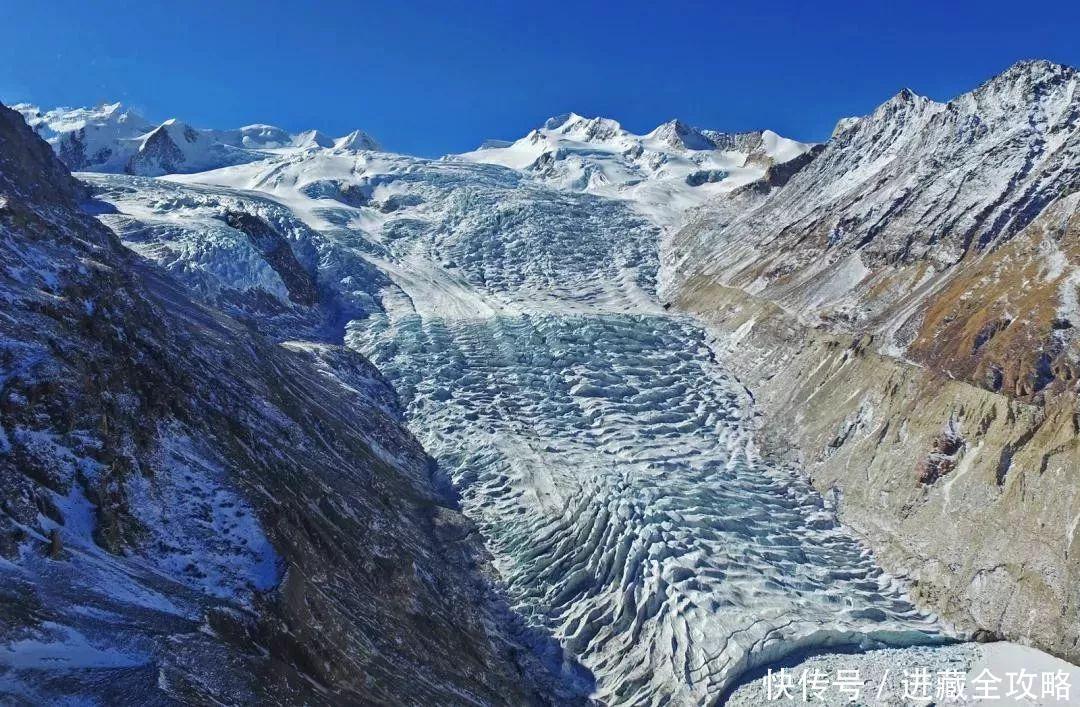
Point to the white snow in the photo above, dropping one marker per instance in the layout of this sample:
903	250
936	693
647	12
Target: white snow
203	533
839	281
782	149
1070	298
58	647
663	173
112	138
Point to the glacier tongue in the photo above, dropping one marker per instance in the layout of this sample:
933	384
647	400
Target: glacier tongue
609	464
598	441
606	453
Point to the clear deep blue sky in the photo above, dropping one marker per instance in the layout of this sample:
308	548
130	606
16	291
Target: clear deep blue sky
436	77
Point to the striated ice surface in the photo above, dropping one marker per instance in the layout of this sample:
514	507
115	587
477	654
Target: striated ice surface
609	465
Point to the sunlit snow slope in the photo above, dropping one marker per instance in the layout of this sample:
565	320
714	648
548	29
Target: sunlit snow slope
597	440
661	173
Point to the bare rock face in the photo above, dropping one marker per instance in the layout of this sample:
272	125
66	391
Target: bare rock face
942	458
192	513
275	249
158	154
904	307
968	494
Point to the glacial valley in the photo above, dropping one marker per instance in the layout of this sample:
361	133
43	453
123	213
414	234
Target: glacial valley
595	354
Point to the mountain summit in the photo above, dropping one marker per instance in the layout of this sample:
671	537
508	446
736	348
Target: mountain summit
665	171
112	138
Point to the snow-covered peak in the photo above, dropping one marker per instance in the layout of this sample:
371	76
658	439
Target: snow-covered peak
85	137
905	95
905	103
259	136
1039	97
781	149
1033	72
586	129
175	146
678	134
114	116
916	185
884	131
356	140
843	124
113	138
179	130
1032	91
665	172
312	139
557	121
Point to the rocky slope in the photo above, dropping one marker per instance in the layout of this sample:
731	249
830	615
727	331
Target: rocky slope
191	512
913	224
905	309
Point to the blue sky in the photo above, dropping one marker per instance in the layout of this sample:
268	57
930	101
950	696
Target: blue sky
436	77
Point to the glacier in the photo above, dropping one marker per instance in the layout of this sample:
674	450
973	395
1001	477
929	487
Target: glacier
597	440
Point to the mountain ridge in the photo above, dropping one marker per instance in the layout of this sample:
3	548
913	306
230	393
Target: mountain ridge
665	172
911	292
113	138
916	189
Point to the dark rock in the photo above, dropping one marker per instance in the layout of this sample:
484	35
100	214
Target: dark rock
278	254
